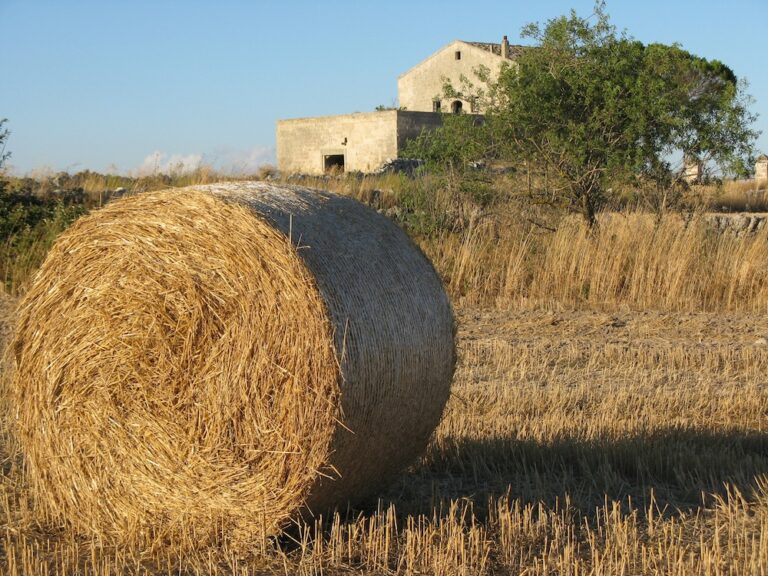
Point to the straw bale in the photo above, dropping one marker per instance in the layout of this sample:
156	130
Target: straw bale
219	360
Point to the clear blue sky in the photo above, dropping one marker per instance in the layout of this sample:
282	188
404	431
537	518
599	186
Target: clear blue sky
110	84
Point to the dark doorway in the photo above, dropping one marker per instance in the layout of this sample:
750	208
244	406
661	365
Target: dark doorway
456	107
333	163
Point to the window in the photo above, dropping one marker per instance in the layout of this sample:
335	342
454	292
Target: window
333	163
456	107
458	54
435	105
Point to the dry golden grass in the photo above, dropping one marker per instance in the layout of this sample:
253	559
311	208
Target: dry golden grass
631	260
734	196
574	443
508	256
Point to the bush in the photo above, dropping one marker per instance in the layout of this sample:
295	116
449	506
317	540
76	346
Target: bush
28	226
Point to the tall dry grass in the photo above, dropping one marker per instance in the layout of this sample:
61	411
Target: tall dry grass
630	260
512	254
734	196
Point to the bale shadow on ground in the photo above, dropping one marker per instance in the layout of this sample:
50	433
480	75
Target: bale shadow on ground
676	469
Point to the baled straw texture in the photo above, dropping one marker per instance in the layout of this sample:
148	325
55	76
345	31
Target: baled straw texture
221	359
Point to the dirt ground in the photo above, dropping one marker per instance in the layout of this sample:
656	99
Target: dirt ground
698	329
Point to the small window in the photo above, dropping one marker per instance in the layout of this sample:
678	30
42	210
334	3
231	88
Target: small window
435	105
456	107
333	163
458	54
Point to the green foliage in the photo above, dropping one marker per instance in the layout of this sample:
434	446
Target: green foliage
4	133
419	210
592	109
29	223
385	108
455	146
28	227
599	108
451	155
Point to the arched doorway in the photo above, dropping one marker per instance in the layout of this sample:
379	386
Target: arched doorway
456	107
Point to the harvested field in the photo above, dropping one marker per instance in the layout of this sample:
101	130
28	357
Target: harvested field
574	443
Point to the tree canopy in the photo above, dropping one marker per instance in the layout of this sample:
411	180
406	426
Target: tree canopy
594	107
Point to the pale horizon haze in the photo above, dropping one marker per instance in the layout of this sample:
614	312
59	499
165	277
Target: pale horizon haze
142	86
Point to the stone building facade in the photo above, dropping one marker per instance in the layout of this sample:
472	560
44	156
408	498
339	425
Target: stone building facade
359	142
761	168
693	170
421	87
365	141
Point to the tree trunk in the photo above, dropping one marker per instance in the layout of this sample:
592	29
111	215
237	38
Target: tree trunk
588	210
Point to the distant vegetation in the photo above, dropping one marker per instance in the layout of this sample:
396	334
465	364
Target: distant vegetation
493	242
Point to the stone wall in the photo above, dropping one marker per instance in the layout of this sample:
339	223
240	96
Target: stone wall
365	140
422	84
761	169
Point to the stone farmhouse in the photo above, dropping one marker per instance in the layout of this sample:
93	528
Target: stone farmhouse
363	142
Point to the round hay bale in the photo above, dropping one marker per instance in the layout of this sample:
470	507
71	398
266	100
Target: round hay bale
219	360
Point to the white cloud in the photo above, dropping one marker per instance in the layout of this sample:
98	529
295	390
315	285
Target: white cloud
226	160
173	164
248	161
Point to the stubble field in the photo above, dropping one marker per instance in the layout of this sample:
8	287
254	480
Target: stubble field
574	442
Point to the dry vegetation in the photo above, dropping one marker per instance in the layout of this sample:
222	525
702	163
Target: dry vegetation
631	260
740	196
574	443
609	416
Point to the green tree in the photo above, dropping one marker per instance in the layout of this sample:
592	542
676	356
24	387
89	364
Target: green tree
596	108
452	152
455	147
4	133
592	108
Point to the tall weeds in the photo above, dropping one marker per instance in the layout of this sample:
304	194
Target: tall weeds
506	253
630	260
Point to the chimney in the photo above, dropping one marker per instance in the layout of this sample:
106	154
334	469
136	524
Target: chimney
504	48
